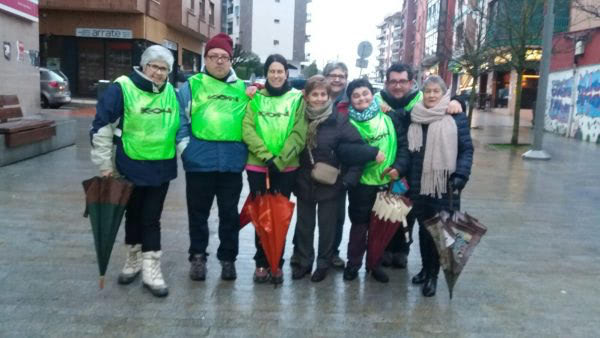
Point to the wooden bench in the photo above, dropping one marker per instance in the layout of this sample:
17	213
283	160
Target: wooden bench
18	130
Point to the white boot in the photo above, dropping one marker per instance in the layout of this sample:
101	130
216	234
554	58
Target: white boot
133	264
151	274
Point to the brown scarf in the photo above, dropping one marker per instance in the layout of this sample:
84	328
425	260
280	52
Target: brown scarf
441	147
315	118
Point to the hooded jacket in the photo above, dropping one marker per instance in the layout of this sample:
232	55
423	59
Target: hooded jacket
107	148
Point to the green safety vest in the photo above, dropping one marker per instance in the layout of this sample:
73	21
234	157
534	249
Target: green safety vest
274	117
418	98
378	132
150	121
218	108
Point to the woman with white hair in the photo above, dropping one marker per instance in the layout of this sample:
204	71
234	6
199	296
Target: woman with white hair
133	136
441	155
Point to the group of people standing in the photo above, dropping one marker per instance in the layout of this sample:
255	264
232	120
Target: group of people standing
220	128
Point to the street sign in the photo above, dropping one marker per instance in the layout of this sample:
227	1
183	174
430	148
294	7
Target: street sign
362	63
365	49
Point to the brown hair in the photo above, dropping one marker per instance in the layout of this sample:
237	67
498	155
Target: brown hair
317	81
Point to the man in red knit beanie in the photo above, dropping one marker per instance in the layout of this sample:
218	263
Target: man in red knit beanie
212	107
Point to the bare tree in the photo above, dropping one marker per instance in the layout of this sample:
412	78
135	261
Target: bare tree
471	52
516	28
591	7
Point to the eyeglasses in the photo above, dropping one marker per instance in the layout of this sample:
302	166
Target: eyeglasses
398	82
219	58
158	68
336	77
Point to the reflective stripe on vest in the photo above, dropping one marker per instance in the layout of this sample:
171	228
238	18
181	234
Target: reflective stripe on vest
150	121
378	132
218	108
274	118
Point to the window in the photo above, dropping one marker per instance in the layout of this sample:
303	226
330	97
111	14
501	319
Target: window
211	13
276	20
275	42
277	1
192	5
202	9
230	27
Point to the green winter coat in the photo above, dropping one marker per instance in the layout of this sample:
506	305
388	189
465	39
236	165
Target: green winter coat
258	153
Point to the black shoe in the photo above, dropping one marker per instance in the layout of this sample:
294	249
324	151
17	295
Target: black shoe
228	270
198	268
380	275
319	275
429	287
277	278
350	273
386	259
299	271
399	260
420	278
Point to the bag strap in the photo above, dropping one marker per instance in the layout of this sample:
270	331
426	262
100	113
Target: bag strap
451	196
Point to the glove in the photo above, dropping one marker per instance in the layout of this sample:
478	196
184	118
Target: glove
457	182
271	165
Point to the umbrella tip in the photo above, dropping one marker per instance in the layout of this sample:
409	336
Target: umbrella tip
101	282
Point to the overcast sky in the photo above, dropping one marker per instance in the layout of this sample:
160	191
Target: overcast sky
338	26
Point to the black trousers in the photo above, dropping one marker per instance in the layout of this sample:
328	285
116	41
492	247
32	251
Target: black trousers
201	189
142	216
398	243
305	231
280	182
341	219
423	209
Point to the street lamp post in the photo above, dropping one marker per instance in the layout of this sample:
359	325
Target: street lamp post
537	153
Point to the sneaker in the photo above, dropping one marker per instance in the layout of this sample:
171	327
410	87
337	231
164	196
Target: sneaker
399	260
298	272
319	275
337	262
152	275
261	275
133	264
350	273
277	277
387	259
198	268
380	275
228	270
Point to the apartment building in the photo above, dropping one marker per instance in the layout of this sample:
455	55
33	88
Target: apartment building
96	39
266	27
391	42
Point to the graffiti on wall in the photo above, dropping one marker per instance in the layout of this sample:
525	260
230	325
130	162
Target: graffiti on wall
559	108
587	114
582	120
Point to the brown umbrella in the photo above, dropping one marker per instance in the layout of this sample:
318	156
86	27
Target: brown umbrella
455	234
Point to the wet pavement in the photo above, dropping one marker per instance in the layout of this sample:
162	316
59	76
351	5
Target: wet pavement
535	273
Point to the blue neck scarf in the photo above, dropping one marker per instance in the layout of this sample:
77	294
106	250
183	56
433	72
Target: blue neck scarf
366	114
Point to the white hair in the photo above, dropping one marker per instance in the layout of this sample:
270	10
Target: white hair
434	79
157	53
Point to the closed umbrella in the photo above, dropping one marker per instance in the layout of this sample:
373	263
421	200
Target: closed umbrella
105	202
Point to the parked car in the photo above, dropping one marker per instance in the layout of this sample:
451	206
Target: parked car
54	88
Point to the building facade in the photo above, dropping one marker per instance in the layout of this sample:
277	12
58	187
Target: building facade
573	96
265	27
94	40
20	45
391	42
